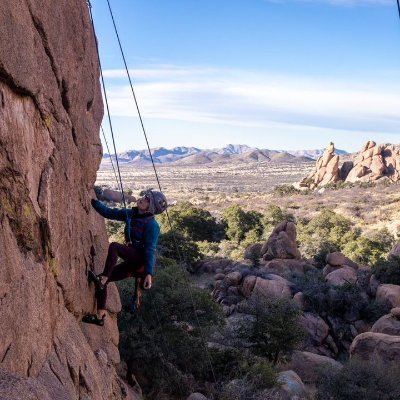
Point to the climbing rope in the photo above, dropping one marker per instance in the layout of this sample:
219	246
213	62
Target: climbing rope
398	7
154	168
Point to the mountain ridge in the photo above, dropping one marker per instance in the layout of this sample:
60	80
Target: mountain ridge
183	155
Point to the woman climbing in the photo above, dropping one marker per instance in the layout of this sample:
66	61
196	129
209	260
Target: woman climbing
141	236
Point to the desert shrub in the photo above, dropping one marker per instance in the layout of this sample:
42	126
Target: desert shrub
285	190
261	374
162	342
208	249
315	290
255	377
375	309
387	271
194	223
359	379
338	301
369	250
275	330
325	233
176	246
238	222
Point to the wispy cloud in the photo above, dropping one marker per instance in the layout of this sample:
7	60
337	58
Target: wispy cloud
257	99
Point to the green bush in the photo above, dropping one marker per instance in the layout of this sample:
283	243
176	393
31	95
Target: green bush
359	379
285	190
273	216
176	246
387	271
196	224
324	233
275	330
337	301
208	249
162	342
239	222
369	250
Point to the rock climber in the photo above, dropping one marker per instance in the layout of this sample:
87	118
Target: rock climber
141	236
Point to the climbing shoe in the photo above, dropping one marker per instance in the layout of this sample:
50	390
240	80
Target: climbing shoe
94	319
92	277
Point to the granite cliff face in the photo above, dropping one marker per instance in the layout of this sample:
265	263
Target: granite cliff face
50	112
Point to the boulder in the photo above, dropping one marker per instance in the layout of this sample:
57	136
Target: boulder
316	328
233	278
388	324
389	293
337	259
274	287
395	312
376	346
281	243
307	364
292	386
342	276
248	285
289	266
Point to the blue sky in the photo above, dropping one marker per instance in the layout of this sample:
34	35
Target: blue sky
282	74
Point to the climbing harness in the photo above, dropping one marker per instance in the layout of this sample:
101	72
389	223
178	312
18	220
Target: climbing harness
138	280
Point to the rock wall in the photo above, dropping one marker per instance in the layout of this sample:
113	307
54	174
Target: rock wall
50	112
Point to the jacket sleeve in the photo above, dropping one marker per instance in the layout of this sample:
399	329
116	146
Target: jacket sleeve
150	244
116	214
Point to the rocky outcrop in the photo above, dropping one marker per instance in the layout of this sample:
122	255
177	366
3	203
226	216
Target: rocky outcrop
282	243
326	170
372	163
50	113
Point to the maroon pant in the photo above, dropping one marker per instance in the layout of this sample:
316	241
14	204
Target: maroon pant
133	259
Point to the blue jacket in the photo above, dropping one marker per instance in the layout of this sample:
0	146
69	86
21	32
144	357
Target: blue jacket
144	229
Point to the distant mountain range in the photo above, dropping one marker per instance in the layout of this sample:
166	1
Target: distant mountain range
230	153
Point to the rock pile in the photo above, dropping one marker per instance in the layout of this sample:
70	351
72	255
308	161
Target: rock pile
371	164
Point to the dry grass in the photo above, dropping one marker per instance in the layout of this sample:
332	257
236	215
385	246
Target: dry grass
251	186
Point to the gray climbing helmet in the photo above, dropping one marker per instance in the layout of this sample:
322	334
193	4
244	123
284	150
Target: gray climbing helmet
158	202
